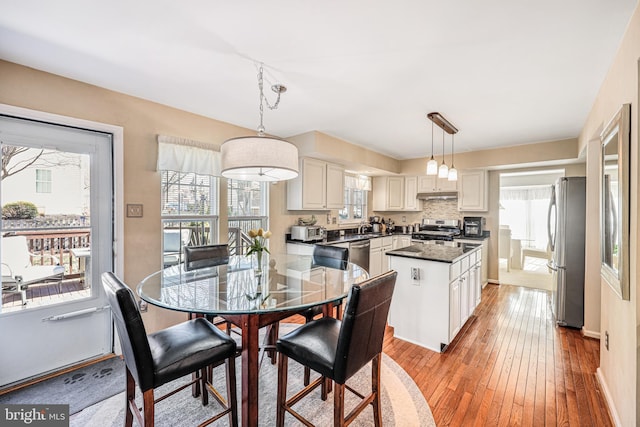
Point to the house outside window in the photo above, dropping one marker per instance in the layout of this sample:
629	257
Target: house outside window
356	191
189	212
247	209
43	181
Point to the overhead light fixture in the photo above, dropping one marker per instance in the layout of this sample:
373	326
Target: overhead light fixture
443	170
432	164
446	126
260	157
443	123
453	173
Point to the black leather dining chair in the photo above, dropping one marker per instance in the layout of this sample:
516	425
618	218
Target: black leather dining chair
332	257
205	256
339	349
161	357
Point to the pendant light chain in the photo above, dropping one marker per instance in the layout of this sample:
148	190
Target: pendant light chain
263	99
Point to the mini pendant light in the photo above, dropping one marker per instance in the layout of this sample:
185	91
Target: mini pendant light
443	170
432	164
453	173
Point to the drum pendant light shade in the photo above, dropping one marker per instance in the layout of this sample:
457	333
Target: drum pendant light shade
259	158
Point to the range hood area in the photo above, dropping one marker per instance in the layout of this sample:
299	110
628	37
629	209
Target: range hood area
438	196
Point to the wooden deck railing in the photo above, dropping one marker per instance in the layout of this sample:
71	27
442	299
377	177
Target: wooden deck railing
58	243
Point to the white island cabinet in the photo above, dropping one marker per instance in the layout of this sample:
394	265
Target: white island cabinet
435	294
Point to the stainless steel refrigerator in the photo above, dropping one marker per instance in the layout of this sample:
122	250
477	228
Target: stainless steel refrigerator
566	228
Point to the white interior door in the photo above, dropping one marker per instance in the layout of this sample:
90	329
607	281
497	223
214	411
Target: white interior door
67	173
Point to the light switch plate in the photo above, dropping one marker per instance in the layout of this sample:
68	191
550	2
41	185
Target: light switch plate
134	211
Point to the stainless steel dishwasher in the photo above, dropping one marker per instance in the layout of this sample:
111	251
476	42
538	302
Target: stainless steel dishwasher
359	253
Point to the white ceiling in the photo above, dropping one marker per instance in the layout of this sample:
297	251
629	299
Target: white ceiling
504	72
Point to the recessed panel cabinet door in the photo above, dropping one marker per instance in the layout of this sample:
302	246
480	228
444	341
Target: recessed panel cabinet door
395	193
314	194
335	187
472	191
411	202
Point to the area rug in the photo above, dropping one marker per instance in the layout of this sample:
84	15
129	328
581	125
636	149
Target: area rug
95	395
402	402
79	388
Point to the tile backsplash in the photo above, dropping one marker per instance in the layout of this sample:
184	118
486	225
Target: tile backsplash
441	209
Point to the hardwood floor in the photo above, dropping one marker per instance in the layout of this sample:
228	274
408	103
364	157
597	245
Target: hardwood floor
510	366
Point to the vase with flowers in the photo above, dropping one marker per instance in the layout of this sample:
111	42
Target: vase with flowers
258	246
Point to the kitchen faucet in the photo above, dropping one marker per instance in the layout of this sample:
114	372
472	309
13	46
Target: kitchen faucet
362	226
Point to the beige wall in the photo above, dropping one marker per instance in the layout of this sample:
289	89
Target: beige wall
142	121
619	366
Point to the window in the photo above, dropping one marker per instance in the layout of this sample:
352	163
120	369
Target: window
247	209
355	198
189	212
43	181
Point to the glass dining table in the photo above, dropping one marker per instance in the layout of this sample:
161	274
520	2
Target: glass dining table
251	298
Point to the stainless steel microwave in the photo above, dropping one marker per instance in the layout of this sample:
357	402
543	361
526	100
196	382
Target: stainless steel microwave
307	233
473	226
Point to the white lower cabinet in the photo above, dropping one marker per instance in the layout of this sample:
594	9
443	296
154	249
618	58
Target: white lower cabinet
454	309
378	260
401	241
299	249
375	262
431	307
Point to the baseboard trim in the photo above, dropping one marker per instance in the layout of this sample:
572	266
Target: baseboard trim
590	334
608	399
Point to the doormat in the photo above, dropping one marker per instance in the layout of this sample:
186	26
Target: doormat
79	389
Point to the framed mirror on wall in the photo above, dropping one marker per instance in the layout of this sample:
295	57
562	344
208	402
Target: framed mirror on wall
614	201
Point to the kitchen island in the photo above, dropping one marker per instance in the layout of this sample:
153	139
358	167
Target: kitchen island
437	290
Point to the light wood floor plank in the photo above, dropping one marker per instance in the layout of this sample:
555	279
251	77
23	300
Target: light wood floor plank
511	365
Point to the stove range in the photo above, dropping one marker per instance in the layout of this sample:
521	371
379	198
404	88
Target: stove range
437	229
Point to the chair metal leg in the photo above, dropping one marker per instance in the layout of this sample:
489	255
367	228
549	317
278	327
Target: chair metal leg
281	398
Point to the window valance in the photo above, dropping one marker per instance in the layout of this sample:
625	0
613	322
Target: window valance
358	182
186	155
525	193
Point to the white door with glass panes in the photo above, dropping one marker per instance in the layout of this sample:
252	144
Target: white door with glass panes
58	197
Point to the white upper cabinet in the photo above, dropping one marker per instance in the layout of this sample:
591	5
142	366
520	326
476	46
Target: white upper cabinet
335	186
472	190
411	202
395	193
319	186
388	193
433	184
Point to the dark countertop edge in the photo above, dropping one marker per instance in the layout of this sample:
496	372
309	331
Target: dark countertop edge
414	255
479	239
345	239
422	258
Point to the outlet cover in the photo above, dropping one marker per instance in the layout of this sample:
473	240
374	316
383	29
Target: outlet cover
134	211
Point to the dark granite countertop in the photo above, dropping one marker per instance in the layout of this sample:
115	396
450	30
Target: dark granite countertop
347	238
485	235
440	252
